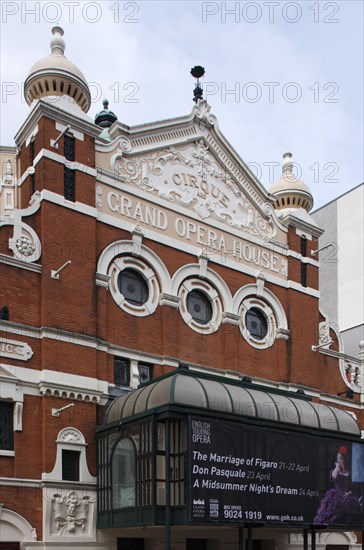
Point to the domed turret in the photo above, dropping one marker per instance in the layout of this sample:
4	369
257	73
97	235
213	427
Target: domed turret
105	118
55	75
291	192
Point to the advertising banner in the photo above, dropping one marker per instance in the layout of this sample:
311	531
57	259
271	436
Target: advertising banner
247	474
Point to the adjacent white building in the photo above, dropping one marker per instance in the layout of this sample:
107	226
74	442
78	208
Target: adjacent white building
342	265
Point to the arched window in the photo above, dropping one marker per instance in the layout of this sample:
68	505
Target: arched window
262	317
201	306
134	286
124	474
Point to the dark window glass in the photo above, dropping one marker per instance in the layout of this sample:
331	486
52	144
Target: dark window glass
145	372
70	465
196	544
121	371
303	274
303	246
130	544
32	154
199	307
69	147
6	426
124	474
31	151
256	323
133	287
69	184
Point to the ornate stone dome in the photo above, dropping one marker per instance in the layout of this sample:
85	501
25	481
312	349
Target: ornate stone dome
55	75
291	192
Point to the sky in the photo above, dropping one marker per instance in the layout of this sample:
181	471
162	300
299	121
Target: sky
280	75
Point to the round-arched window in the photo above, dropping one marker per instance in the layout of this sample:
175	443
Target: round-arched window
133	286
258	323
199	307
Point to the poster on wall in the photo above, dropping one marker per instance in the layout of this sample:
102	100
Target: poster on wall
240	473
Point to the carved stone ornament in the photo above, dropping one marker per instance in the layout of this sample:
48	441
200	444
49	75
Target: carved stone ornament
71	513
203	113
71	436
191	177
324	334
24	246
25	243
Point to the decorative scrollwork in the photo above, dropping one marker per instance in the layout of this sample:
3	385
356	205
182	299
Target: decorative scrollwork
203	113
192	177
324	334
71	436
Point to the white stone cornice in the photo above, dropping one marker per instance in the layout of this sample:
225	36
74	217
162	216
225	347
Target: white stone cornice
291	220
28	172
14	262
304	289
8	150
68	336
20	482
54	383
43	108
56	157
303	259
61	201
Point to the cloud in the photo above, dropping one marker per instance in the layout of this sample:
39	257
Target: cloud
139	54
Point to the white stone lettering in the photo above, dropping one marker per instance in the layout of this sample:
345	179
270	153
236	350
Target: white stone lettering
148	215
15	350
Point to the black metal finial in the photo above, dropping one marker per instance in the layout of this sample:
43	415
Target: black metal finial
197	72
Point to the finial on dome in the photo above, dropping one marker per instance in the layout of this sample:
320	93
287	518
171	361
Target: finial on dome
58	44
105	118
287	165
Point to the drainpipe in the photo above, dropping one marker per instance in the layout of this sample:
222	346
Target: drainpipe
168	487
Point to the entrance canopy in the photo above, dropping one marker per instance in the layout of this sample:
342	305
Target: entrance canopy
196	390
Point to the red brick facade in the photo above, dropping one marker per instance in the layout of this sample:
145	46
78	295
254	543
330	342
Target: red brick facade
71	324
